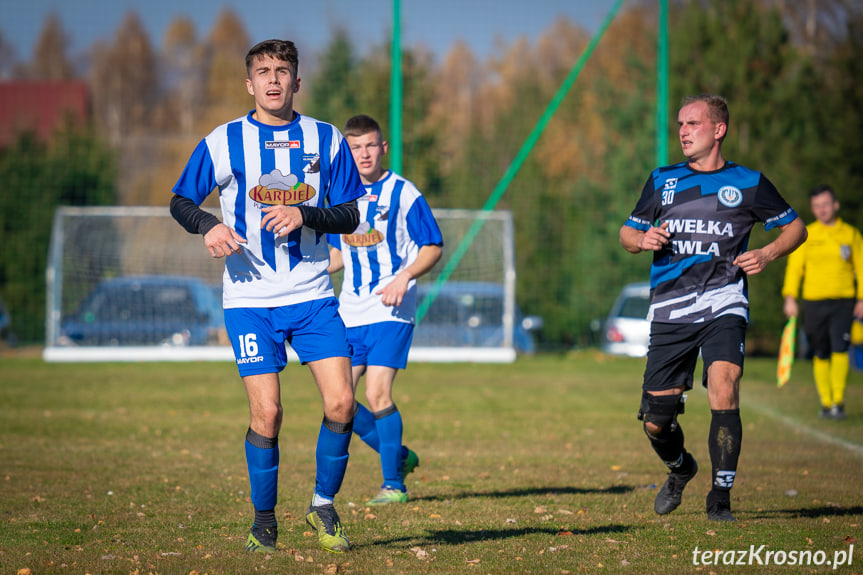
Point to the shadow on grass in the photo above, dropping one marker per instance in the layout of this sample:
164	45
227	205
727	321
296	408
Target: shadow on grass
529	492
457	537
810	512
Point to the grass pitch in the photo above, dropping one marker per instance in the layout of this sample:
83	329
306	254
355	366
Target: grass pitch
535	467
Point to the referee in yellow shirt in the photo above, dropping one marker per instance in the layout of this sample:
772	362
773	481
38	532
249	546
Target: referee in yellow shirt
830	268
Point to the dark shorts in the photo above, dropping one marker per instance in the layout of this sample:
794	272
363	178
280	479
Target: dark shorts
827	324
674	348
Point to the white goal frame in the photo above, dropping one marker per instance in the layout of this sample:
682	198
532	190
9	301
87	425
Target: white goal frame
65	241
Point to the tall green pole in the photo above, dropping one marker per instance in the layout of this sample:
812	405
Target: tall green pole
662	86
501	187
395	137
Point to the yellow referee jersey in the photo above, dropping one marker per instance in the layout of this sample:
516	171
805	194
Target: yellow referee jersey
827	263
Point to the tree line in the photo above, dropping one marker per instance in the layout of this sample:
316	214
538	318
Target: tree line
790	70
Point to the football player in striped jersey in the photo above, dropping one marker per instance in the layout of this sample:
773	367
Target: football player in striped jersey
397	241
284	180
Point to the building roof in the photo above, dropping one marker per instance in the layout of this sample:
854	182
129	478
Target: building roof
40	106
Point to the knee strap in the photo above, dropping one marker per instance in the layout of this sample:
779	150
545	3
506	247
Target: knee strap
661	410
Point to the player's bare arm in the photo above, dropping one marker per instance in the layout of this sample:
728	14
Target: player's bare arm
393	293
654	239
790	307
793	234
336	261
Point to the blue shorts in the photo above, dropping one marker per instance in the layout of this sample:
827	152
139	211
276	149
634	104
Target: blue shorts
258	335
386	343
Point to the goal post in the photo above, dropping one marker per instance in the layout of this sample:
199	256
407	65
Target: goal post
129	284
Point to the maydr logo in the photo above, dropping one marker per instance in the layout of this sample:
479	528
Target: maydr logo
730	197
289	144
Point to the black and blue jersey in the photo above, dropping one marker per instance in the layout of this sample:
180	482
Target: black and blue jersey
709	216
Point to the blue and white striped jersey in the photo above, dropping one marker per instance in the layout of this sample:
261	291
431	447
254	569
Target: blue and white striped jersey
255	165
710	216
395	221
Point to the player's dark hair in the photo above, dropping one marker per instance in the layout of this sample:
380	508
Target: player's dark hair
284	50
717	107
361	125
823	189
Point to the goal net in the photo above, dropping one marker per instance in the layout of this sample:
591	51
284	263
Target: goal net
129	284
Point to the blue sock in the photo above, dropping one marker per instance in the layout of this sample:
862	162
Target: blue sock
262	459
364	426
389	425
331	456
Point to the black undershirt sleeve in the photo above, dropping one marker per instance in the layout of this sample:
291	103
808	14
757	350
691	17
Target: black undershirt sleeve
189	215
341	219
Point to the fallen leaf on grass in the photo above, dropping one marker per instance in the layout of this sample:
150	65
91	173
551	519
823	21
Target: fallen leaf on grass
473	561
539	509
850	539
710	532
564	533
331	569
420	552
24	571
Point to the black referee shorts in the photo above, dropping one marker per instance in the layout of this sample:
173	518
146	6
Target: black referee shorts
827	324
674	348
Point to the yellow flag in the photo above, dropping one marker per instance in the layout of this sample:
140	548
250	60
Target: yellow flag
786	352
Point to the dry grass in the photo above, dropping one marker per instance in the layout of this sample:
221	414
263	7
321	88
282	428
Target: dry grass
536	467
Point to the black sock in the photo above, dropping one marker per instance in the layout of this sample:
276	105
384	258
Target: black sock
726	433
668	445
265	518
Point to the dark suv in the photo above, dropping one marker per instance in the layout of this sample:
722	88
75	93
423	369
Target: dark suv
147	310
470	314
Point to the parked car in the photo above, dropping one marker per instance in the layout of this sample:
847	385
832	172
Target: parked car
470	314
5	324
626	330
147	310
